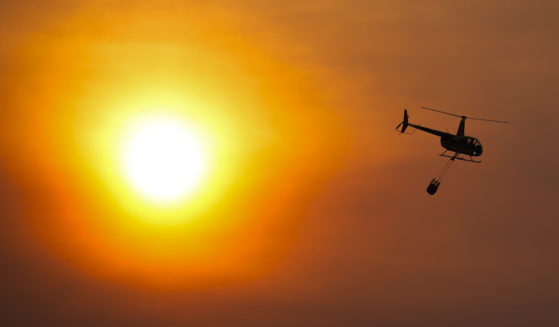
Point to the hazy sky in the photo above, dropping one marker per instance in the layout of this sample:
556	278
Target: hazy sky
323	218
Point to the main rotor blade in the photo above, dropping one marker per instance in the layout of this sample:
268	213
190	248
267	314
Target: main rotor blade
491	120
442	112
451	114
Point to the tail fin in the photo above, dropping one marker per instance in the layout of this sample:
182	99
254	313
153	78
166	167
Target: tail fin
404	123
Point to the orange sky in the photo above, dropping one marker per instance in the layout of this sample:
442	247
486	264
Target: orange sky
316	213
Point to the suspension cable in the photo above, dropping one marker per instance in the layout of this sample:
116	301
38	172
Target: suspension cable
444	169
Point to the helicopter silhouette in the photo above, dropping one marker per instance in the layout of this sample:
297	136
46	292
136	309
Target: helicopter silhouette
459	143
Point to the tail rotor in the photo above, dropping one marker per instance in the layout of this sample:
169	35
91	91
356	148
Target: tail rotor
404	123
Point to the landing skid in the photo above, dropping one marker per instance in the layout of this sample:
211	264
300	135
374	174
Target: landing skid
459	157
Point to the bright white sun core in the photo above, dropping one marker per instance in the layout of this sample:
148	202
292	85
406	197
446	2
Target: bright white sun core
163	159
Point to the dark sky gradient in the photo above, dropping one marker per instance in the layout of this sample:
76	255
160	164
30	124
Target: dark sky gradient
370	246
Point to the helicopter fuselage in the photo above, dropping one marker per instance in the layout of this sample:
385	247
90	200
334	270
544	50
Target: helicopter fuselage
462	144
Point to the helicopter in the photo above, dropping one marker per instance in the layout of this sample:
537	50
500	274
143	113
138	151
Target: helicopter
464	147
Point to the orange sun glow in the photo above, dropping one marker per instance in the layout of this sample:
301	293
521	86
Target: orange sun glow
163	160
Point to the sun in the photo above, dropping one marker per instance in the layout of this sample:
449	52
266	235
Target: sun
163	159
